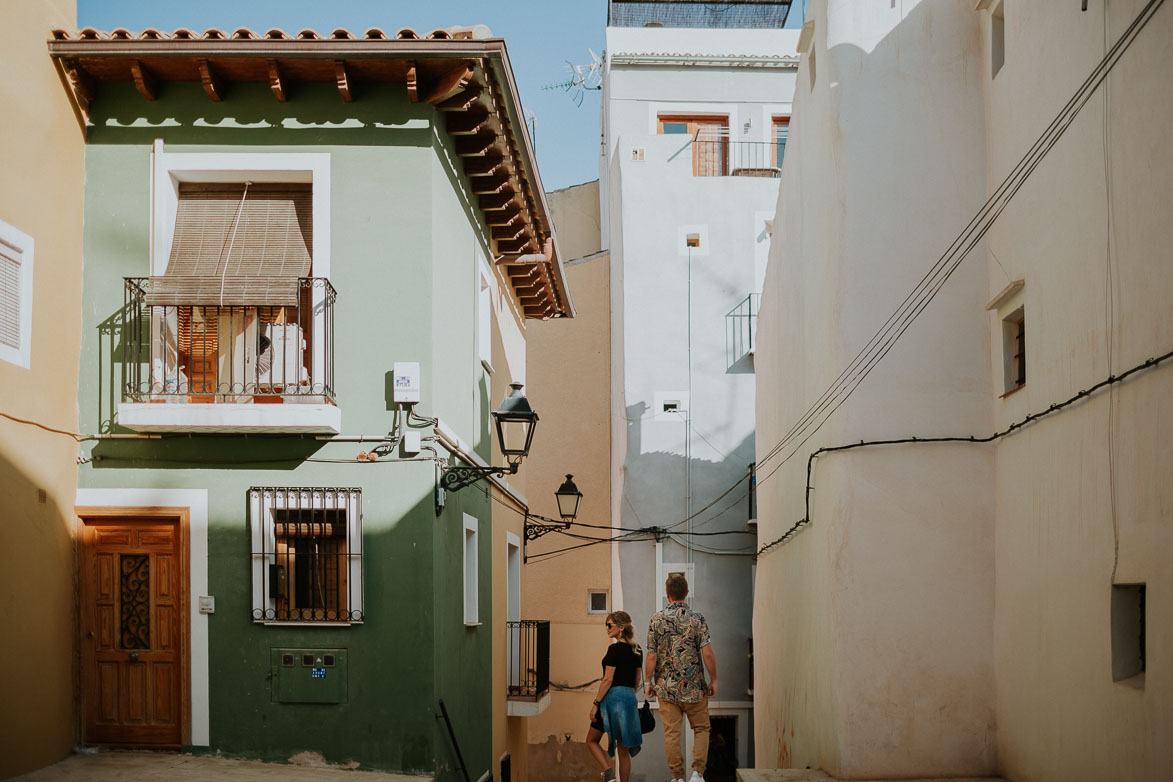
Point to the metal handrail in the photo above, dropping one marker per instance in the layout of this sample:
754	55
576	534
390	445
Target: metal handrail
528	649
175	351
741	324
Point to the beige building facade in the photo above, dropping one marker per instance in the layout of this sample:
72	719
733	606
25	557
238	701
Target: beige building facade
569	363
957	608
41	157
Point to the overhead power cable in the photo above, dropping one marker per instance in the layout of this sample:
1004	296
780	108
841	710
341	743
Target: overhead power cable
806	519
935	278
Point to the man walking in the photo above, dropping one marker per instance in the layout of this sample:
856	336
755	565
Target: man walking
678	640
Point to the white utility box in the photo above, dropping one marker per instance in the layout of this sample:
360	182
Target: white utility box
411	443
407	381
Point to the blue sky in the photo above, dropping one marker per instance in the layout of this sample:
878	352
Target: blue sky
542	37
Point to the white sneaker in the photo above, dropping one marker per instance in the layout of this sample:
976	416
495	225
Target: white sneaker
696	777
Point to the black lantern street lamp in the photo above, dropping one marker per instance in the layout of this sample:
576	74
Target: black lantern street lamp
516	422
568	497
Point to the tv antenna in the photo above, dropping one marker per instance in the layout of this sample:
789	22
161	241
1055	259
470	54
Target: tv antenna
581	78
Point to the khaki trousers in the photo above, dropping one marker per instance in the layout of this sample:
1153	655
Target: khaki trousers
673	714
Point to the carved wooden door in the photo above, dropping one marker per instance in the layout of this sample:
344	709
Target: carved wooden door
131	632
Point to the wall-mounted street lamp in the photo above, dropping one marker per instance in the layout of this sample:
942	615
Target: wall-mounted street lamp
568	497
516	422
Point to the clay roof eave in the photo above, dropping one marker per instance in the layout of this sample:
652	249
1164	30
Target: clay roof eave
68	49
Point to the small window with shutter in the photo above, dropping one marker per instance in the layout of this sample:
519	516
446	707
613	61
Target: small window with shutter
16	295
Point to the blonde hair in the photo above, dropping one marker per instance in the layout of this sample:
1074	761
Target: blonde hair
626	629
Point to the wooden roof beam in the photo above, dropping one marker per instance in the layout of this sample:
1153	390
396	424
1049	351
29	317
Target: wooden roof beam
212	83
506	199
342	77
83	85
489	184
461	101
276	83
496	217
452	82
144	81
486	165
509	231
521	245
413	87
476	145
468	122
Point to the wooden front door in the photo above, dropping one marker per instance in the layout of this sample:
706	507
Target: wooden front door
133	615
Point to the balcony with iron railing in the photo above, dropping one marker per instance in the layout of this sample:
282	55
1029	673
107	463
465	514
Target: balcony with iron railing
527	644
741	324
224	354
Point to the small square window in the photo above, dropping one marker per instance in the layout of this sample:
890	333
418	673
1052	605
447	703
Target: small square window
597	601
1128	634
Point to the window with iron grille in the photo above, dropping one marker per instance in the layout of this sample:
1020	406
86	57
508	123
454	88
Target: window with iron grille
1014	350
306	554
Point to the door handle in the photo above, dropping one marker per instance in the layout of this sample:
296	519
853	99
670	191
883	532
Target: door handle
134	657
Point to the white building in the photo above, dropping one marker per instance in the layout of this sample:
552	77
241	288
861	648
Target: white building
694	122
965	609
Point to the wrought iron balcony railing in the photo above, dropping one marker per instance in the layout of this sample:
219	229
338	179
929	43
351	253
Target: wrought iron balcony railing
185	343
528	644
741	325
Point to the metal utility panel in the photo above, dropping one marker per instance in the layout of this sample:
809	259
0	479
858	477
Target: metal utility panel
308	675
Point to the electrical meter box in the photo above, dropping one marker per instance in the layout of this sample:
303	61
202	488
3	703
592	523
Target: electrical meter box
308	675
407	382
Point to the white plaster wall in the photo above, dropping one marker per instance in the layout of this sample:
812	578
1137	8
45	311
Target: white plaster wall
649	205
873	628
1062	482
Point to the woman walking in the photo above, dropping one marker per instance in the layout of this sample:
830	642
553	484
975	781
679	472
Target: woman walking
614	711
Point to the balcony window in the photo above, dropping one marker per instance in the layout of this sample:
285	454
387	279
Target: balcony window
710	137
236	316
781	127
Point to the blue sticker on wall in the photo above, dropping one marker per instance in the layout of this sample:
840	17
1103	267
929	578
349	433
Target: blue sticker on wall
318	673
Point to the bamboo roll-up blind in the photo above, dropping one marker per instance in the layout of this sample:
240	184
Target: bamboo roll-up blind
234	291
273	234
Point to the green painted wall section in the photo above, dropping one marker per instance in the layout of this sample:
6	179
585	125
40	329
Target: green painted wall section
404	243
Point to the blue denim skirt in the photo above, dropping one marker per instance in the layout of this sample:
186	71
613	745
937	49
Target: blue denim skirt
621	720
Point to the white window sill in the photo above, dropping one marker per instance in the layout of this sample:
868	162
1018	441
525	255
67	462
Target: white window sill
473	624
230	418
526	708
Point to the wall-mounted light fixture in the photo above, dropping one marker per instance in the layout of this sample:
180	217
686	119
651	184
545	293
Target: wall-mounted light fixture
516	422
568	497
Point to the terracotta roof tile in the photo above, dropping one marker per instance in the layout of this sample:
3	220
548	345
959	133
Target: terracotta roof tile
274	34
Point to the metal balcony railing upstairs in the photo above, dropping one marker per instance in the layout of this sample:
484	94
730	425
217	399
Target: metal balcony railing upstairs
528	645
722	156
741	325
185	341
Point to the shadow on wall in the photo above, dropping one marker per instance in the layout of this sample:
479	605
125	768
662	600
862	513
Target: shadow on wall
36	601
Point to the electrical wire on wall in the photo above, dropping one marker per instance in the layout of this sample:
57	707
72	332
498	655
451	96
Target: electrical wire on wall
806	519
1110	292
879	345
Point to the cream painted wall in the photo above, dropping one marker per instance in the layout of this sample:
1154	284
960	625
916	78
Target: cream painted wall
41	157
948	611
872	628
571	390
1095	210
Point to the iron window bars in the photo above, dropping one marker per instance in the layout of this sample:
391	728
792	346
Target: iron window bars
306	554
528	643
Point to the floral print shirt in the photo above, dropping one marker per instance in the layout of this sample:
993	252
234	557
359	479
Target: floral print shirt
675	636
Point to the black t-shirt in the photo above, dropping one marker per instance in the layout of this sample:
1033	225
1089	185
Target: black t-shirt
626	661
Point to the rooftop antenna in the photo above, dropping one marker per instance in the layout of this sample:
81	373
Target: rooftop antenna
581	78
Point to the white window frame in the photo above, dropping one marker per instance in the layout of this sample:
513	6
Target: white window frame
486	290
470	539
264	539
18	246
607	607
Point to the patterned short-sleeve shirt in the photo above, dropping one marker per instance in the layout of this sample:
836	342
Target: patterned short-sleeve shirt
676	636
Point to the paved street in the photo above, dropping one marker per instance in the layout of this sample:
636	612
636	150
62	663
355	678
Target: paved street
165	767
